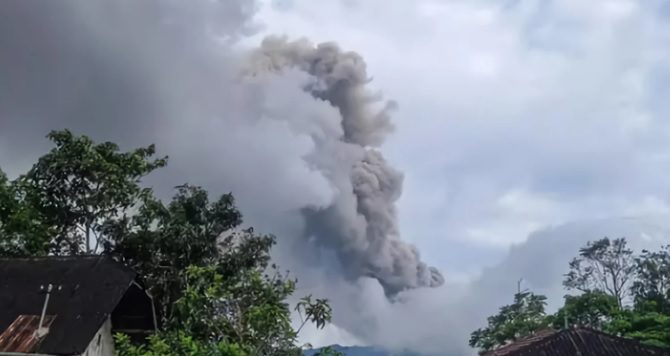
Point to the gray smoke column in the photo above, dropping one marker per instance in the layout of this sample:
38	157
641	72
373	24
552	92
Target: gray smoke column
361	223
297	143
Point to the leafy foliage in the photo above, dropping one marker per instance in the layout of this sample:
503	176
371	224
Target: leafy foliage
248	310
592	309
215	290
21	232
328	351
522	318
161	242
651	328
606	272
605	265
80	186
175	344
317	312
653	282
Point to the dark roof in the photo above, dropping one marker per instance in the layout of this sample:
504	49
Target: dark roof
509	349
576	342
86	291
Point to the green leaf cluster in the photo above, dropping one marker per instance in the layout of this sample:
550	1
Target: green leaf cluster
621	293
215	289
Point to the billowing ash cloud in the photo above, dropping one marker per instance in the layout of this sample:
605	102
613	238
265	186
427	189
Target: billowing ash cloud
439	321
289	127
340	78
361	222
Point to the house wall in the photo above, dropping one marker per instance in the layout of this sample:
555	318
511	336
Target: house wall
102	343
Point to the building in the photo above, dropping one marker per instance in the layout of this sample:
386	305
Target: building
70	306
576	342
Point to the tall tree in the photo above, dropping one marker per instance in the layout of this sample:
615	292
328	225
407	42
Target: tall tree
21	231
593	309
162	241
216	291
211	280
651	288
522	318
603	265
175	343
80	186
650	328
249	311
606	272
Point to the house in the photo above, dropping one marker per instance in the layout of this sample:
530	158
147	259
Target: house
576	342
70	306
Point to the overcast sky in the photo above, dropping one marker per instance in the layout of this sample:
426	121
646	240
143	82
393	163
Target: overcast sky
513	115
524	129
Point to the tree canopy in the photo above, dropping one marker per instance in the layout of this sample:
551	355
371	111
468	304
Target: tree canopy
592	309
215	289
604	265
653	282
619	292
514	321
22	233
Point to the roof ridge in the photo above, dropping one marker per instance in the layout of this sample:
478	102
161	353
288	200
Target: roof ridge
618	338
541	341
544	339
575	336
532	339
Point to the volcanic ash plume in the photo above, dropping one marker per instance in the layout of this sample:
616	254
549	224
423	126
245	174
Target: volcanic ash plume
361	223
295	143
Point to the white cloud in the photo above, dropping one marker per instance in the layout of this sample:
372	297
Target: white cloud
515	215
648	206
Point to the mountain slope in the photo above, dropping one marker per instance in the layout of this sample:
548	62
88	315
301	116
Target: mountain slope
363	351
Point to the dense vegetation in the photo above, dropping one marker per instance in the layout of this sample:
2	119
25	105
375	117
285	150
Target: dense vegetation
215	289
618	292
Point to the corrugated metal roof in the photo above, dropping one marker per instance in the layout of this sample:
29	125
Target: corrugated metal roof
519	344
21	335
574	342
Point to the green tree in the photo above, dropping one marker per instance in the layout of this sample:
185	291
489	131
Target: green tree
651	328
178	343
603	265
593	309
215	288
522	318
161	242
651	288
328	351
317	312
249	313
79	186
21	232
249	310
608	272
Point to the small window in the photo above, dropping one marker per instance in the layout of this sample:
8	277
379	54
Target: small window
99	339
